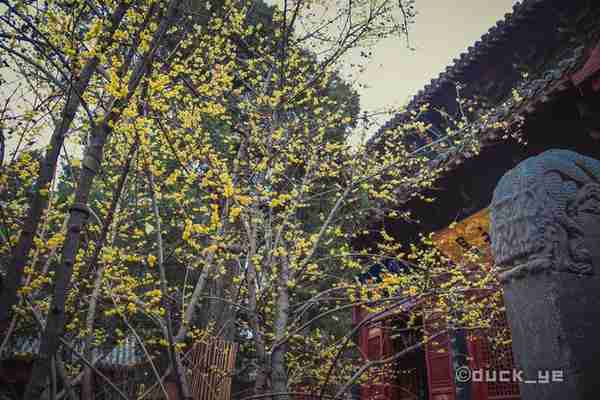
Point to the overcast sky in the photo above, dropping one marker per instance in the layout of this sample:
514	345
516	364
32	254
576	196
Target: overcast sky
443	29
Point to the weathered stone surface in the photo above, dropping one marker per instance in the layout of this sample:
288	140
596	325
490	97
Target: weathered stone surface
555	322
545	217
543	213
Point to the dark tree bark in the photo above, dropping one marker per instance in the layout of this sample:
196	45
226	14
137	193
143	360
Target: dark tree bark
86	388
278	364
39	202
260	384
79	212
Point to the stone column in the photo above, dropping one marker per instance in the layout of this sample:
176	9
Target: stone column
545	231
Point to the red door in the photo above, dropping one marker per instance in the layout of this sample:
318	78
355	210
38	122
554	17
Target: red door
376	344
439	362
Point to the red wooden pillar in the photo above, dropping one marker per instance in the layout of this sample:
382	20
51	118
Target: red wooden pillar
172	391
478	361
375	343
440	377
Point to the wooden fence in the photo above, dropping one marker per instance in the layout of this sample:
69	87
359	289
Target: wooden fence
211	366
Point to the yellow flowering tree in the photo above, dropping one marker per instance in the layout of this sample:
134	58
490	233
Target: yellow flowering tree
211	149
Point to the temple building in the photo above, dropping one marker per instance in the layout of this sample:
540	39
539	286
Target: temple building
540	68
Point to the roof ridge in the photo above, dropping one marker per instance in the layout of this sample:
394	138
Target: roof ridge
494	36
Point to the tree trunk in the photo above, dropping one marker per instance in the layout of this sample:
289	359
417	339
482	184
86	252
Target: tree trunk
86	388
39	202
260	383
177	372
77	220
224	313
279	376
78	214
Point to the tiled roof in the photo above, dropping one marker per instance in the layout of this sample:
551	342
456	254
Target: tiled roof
20	347
494	38
126	354
556	73
539	89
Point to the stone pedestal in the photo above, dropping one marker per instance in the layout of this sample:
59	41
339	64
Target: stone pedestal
554	319
545	231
